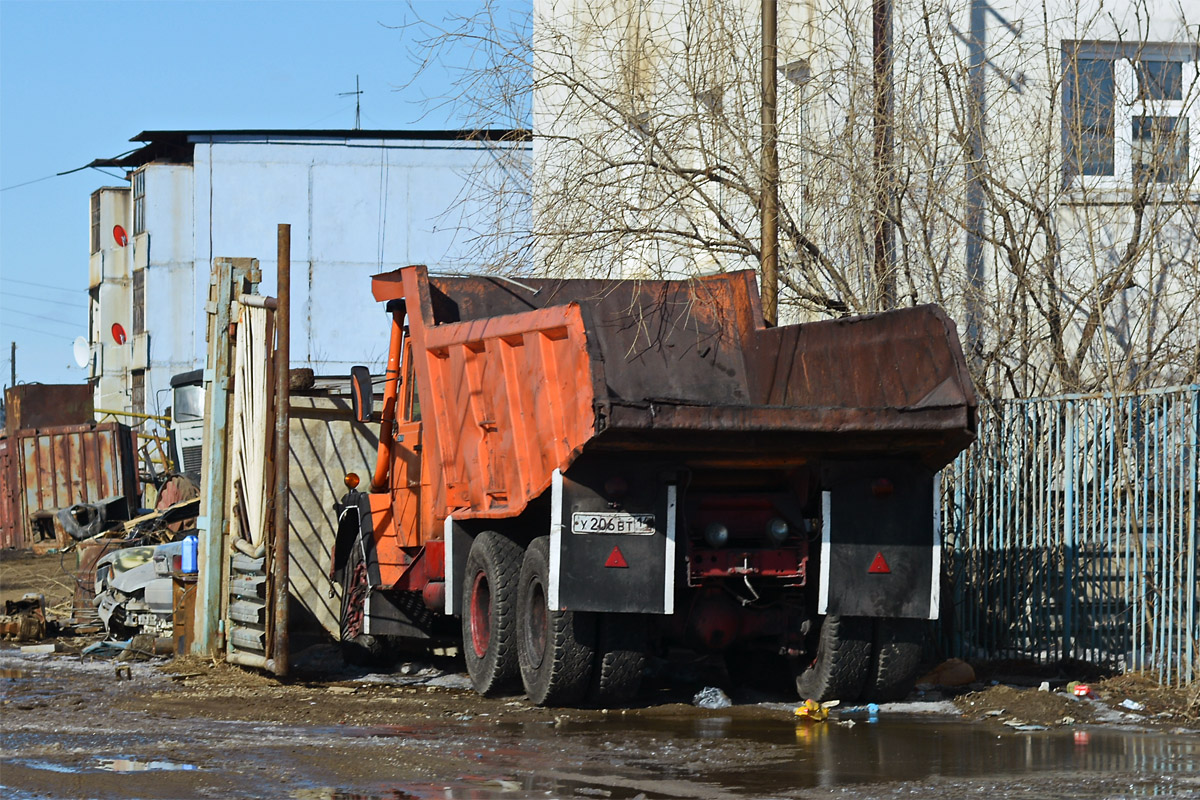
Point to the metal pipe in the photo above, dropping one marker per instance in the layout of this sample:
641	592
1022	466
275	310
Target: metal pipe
131	414
280	649
258	301
769	191
391	388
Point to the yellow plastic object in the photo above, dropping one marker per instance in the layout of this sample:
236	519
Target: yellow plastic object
813	710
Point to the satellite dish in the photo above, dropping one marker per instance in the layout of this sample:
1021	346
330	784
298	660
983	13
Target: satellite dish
119	236
118	333
83	353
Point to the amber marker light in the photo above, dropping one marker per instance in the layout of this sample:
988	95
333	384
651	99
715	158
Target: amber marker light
351	481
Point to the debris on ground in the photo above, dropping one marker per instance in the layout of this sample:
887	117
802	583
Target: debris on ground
1163	702
819	712
711	697
1009	704
25	619
950	673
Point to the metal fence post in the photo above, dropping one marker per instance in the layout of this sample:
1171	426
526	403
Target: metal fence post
1069	530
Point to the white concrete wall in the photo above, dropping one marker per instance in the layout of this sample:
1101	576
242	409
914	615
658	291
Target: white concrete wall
356	207
166	251
109	276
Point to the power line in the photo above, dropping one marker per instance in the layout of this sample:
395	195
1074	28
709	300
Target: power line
39	285
64	172
44	299
29	183
62	336
40	316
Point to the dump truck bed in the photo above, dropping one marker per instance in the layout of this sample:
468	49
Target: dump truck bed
517	379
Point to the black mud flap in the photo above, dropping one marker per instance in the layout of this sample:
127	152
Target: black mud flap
880	540
612	556
353	523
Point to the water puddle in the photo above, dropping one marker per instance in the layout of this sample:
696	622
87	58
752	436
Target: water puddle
133	765
106	765
751	756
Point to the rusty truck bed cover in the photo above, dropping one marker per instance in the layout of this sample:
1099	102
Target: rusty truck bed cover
518	378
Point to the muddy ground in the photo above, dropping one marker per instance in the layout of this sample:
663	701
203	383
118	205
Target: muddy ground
75	727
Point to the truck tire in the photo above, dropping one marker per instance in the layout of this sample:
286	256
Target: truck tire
842	662
895	660
358	649
489	613
557	648
620	659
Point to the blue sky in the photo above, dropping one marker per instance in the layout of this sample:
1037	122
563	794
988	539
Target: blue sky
78	79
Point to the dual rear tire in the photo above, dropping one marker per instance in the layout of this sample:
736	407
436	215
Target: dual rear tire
510	630
859	658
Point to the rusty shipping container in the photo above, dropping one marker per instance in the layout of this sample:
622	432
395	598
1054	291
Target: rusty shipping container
58	467
47	405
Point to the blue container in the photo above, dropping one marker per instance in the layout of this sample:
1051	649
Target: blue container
191	545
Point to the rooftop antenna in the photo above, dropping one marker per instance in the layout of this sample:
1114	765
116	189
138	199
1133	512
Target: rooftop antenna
357	103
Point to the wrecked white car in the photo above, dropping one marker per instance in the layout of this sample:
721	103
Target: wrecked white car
134	590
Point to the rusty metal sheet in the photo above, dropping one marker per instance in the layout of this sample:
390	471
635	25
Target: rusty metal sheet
58	467
10	514
46	405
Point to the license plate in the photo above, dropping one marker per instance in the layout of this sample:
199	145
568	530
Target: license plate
615	522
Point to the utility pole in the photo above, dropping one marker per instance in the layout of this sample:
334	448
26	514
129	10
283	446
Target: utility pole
13	360
769	189
885	229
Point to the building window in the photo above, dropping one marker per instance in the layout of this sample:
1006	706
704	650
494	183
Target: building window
139	301
96	221
137	390
1090	116
1160	149
139	202
1123	110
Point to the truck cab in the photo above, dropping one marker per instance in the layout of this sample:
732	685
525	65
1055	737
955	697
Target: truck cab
187	421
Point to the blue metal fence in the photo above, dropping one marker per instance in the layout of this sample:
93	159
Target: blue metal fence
1071	531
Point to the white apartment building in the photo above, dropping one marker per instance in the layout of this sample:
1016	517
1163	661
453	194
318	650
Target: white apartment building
1044	183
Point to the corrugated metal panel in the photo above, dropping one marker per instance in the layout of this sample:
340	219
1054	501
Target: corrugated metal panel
59	467
1073	527
10	528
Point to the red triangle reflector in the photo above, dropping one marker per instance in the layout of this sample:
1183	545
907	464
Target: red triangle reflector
615	559
879	565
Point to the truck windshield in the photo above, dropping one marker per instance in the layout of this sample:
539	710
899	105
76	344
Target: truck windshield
188	405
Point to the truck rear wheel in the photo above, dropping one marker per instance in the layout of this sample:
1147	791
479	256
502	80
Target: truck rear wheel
620	659
556	648
489	612
358	649
840	668
895	660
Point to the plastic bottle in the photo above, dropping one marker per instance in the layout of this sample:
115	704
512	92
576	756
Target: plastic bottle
191	545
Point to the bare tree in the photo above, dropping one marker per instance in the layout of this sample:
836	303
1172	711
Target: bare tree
1043	188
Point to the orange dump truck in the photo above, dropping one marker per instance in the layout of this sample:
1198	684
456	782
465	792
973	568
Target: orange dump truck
585	471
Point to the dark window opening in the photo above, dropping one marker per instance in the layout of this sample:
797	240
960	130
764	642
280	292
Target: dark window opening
139	202
1160	80
95	222
139	301
137	390
1160	149
1090	117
